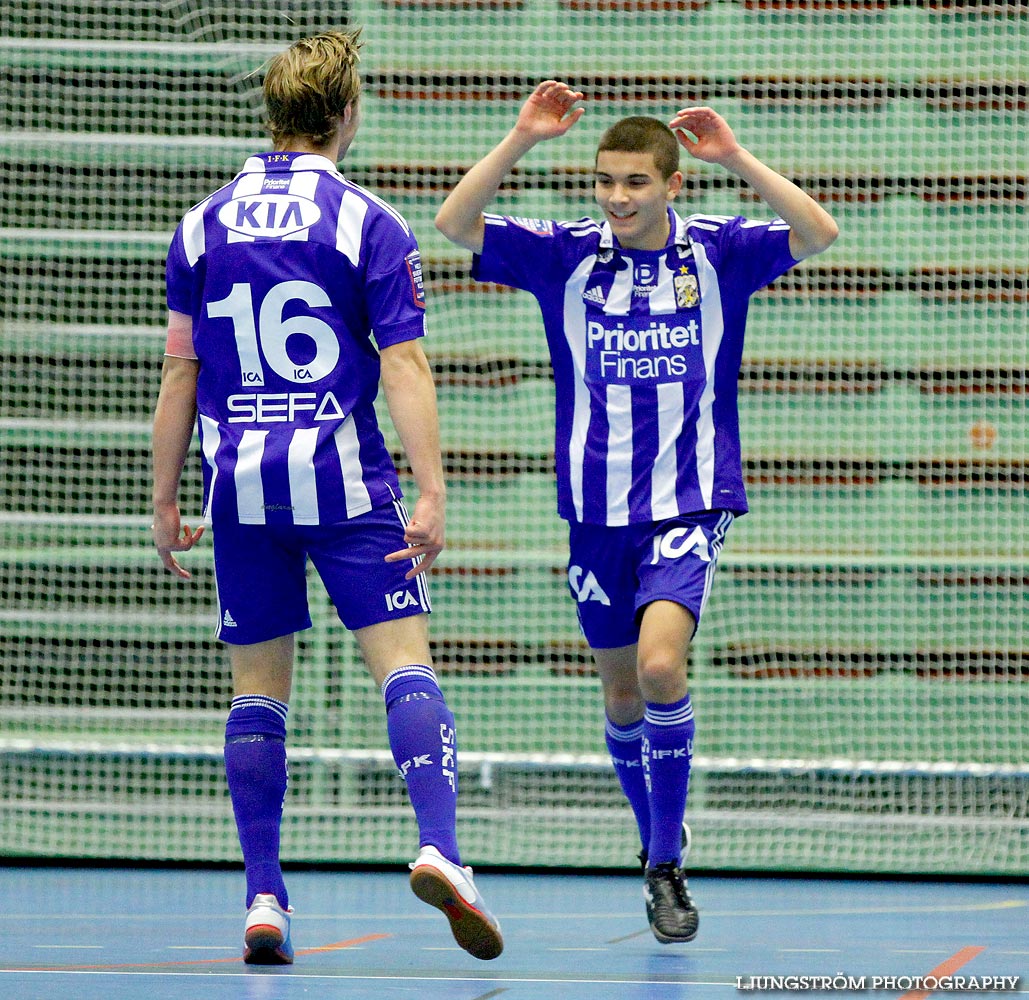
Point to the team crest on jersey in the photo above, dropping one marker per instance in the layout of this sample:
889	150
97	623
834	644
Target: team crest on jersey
269	214
414	270
541	227
687	289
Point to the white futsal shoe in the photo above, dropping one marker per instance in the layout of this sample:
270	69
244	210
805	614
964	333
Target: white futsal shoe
450	888
266	938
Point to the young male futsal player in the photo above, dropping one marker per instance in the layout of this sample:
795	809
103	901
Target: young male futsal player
276	284
644	314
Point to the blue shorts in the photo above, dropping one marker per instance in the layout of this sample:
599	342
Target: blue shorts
615	572
260	571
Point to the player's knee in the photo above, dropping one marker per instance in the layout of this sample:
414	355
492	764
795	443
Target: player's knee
662	677
623	704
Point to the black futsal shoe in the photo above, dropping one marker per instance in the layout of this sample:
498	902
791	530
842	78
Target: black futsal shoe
673	917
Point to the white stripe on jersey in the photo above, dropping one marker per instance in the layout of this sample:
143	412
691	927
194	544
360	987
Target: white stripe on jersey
247	476
619	299
619	452
194	238
309	162
350	225
303	487
303	185
772	226
210	438
712	223
575	335
349	450
662	298
671	401
251	182
388	209
583	227
711	323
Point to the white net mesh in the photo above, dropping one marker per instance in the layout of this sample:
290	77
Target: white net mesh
861	675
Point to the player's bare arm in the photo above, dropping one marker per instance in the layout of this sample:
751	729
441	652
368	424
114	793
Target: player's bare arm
706	136
174	419
547	113
411	397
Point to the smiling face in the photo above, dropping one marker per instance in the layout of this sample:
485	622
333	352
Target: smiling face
634	196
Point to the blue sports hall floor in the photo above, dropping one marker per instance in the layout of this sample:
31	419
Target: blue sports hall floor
168	934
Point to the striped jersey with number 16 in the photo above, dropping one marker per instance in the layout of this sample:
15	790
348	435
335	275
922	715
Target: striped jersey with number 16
646	348
287	272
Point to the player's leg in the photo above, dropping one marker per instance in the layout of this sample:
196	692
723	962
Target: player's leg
262	602
602	581
419	724
667	755
424	744
388	616
257	775
665	632
675	569
623	729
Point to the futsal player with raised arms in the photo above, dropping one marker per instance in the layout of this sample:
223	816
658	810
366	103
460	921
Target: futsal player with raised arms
292	293
644	313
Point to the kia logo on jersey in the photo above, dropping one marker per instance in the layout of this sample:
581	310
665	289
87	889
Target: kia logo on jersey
269	215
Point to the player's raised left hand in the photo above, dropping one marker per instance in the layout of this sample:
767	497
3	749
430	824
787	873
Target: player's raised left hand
715	141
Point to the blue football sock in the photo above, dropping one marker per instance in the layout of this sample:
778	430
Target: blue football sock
625	744
257	773
421	736
667	753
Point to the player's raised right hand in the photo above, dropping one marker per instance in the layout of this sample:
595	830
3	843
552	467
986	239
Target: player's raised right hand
549	111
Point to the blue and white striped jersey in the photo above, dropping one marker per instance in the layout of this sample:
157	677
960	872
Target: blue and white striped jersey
287	272
646	349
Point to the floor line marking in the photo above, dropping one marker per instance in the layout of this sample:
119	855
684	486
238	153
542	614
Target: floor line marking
490	980
341	945
336	946
199	947
809	951
946	968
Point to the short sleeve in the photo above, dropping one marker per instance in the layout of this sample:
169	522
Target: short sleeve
395	285
518	252
757	252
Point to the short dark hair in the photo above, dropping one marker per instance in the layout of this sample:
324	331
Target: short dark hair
642	134
308	87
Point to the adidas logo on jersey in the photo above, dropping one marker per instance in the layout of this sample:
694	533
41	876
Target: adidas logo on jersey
594	295
227	620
